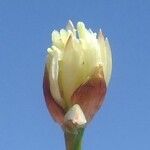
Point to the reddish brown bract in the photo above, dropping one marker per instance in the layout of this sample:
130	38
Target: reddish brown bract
56	111
91	94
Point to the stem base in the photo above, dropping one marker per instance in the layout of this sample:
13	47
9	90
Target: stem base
73	140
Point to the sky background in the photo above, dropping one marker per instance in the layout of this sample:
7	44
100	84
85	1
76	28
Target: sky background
123	123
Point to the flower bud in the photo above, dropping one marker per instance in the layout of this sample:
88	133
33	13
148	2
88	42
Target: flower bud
77	74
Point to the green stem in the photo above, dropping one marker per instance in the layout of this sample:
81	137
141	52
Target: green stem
74	140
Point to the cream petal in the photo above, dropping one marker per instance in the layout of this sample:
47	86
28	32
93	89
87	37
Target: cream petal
70	26
109	60
103	54
65	36
69	43
53	69
70	73
55	36
94	35
56	39
82	31
58	52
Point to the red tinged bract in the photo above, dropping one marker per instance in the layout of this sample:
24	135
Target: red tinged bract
89	96
55	110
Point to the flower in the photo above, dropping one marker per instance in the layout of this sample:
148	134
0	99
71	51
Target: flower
77	73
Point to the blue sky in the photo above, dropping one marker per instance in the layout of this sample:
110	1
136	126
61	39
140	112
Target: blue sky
25	27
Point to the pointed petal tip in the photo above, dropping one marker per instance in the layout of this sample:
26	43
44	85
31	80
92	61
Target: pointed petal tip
70	22
100	35
107	43
70	26
49	50
54	31
80	25
106	39
69	42
100	30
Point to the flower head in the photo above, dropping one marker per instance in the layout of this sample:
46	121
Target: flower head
77	73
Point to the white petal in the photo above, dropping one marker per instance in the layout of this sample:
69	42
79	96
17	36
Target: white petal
58	52
109	60
56	39
65	36
103	53
70	26
82	31
53	69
